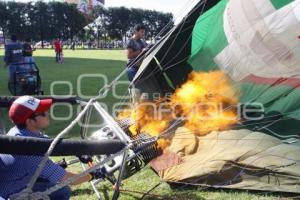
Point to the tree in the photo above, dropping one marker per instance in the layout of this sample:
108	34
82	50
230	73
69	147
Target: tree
16	18
122	20
41	21
46	21
75	21
118	22
99	13
4	16
57	19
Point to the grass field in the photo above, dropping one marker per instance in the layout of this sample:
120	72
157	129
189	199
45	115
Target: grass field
62	79
143	185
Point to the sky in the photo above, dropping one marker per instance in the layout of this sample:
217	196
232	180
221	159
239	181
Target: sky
177	7
173	6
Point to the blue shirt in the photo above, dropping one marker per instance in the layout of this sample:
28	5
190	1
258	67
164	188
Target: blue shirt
135	45
13	53
17	170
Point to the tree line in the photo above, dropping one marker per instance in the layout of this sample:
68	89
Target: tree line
41	21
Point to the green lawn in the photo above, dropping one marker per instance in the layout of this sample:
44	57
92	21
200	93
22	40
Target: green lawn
109	63
62	79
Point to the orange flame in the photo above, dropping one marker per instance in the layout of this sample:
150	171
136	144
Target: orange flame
206	102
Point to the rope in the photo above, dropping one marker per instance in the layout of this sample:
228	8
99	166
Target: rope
28	192
191	131
55	141
106	88
42	164
101	92
202	3
144	193
28	195
157	70
169	132
84	173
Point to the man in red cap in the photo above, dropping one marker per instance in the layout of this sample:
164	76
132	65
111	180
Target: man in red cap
30	117
30	113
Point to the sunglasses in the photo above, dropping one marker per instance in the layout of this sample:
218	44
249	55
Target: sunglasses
42	114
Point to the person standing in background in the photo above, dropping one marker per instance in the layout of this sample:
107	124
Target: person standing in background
58	50
135	47
27	52
13	55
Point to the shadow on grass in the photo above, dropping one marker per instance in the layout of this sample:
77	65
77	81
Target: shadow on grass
183	196
186	196
105	191
150	194
177	187
76	192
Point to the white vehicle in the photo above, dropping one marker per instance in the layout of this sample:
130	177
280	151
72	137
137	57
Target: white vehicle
39	44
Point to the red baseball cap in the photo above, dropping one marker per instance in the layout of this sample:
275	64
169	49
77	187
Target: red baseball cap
23	107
